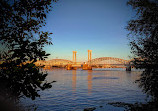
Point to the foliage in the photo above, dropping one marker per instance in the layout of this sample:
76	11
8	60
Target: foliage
150	106
23	41
144	43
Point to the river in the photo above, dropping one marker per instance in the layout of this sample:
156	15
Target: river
79	89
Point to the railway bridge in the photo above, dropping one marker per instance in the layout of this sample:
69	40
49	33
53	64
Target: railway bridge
101	62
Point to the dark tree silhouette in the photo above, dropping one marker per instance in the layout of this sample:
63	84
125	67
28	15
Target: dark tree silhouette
144	43
23	43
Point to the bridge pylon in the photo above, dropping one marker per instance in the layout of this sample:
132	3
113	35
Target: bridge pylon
74	56
89	55
88	65
128	67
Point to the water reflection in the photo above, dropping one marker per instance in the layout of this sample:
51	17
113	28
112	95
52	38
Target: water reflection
74	80
89	81
101	78
78	89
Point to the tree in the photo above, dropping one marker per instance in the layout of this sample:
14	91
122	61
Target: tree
144	43
23	43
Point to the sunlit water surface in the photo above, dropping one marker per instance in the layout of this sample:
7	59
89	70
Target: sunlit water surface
79	89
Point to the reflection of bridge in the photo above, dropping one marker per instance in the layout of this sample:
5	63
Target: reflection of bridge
102	62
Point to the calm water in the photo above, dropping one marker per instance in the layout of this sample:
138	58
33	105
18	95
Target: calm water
79	89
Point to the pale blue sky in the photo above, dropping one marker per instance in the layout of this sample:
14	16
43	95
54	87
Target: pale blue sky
81	25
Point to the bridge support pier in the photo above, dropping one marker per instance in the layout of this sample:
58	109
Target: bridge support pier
86	67
128	68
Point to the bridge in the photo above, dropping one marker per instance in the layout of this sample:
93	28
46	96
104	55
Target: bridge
101	62
97	60
109	62
54	62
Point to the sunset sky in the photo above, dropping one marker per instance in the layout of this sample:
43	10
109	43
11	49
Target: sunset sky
97	25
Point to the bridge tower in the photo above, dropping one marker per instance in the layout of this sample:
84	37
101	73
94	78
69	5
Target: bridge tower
74	56
89	55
